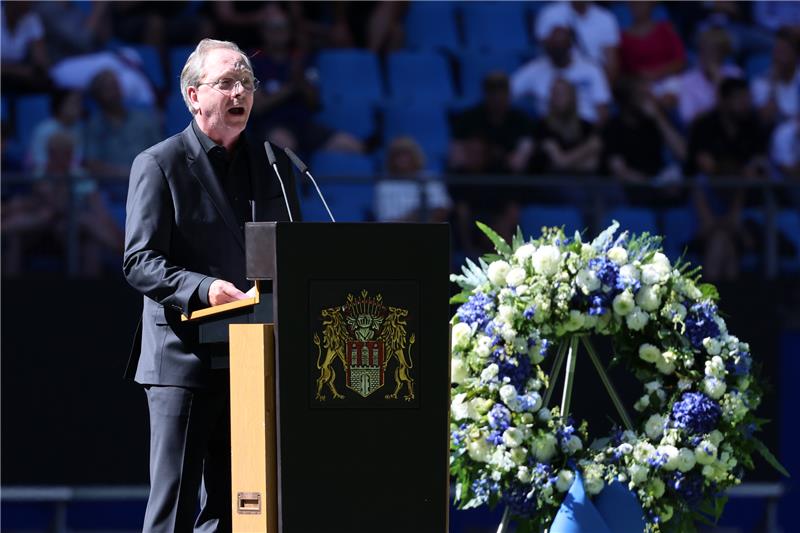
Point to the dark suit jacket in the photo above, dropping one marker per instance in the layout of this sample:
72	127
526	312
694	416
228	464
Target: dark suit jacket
181	232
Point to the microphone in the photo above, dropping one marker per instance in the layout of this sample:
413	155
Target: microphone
303	168
274	165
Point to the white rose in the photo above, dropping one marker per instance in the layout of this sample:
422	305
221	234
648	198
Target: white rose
671	453
712	346
459	407
686	460
524	475
512	437
652	274
623	303
705	453
618	254
637	319
461	334
546	260
479	450
654	427
661	260
649	297
458	370
649	353
587	281
497	272
564	481
519	455
524	252
573	445
506	313
483	346
490	372
715	367
625	448
508	393
515	276
629	274
666	363
545	448
714	387
638	474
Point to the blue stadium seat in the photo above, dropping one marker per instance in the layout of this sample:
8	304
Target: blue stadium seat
432	25
176	116
634	219
622	13
499	26
475	65
356	119
680	227
177	58
428	125
533	217
349	202
338	164
789	226
30	111
349	76
757	64
151	65
420	77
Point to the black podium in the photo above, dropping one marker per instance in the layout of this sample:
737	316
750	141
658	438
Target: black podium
340	378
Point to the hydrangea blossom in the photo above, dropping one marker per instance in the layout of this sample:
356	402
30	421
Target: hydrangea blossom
696	413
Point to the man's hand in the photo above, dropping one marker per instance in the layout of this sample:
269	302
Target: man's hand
222	292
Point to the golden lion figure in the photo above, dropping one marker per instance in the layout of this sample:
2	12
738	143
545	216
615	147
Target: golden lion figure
334	335
394	335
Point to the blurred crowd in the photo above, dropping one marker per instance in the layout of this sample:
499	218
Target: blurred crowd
652	96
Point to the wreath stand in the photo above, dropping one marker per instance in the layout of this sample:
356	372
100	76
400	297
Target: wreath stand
569	348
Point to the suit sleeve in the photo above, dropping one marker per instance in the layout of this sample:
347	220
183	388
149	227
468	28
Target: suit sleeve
148	232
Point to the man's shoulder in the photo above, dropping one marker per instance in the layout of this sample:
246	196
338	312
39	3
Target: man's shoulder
168	149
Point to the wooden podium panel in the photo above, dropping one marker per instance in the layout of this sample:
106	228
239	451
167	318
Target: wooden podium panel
253	441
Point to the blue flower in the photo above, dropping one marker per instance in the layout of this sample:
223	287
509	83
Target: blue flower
696	413
517	369
474	310
688	485
700	323
499	417
529	312
517	500
482	488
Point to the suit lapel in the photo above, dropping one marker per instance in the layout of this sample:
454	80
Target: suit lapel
201	169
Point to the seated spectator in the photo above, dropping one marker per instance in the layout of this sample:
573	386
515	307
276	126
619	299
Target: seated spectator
777	94
695	91
67	110
115	135
595	29
161	24
634	144
535	79
651	50
70	30
492	137
40	221
284	107
23	52
565	142
727	142
406	193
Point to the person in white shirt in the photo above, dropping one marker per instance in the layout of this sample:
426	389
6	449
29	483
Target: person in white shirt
777	93
597	34
785	149
22	48
534	79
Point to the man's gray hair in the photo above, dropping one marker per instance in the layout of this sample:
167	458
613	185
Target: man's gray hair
193	69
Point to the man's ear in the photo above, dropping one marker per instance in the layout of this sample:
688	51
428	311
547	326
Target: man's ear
191	92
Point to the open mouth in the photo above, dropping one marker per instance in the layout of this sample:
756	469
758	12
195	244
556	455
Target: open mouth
236	111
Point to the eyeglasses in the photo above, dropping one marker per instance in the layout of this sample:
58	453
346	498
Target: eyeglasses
227	85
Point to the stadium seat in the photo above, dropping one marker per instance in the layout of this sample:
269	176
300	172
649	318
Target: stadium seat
534	217
473	67
338	165
622	13
415	77
789	226
757	64
30	111
151	65
349	76
356	119
349	202
426	124
496	26
680	227
432	25
634	219
176	116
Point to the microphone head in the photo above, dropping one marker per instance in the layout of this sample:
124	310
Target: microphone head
270	153
302	167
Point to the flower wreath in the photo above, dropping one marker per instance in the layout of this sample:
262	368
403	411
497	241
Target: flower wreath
534	301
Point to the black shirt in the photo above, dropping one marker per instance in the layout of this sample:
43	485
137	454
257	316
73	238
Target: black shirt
232	171
501	137
638	142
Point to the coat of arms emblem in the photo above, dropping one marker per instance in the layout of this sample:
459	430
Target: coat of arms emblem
365	336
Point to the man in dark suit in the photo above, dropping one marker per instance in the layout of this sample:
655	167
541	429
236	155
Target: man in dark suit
188	201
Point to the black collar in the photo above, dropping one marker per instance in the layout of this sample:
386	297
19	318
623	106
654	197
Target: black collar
208	145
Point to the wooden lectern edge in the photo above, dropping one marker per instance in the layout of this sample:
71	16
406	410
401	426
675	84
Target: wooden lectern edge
217	309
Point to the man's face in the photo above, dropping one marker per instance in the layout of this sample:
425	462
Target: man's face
222	114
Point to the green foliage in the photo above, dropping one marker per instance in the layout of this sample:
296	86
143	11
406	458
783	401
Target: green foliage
769	457
499	244
709	291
